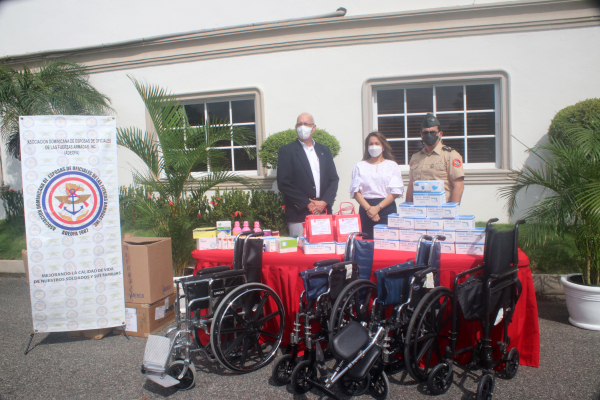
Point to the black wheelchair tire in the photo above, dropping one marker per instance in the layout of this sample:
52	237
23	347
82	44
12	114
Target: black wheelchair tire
485	388
511	365
303	371
440	379
354	387
341	303
380	388
189	379
282	370
250	330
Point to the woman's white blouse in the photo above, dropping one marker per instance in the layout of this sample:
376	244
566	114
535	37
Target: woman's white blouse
376	181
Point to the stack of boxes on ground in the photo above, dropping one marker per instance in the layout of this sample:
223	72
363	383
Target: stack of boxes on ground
430	214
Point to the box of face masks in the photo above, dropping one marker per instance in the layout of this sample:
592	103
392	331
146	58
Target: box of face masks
460	222
206	243
447	210
286	245
396	221
429	199
410	210
470	236
340	247
385	232
429	223
447	248
428	187
450	235
408	246
471	249
409	235
387	244
318	248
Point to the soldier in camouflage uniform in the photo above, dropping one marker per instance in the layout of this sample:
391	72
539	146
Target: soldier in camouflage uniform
436	162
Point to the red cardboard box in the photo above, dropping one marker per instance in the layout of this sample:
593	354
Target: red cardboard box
319	228
345	225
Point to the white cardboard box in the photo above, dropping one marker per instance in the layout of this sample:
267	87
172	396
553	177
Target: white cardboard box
447	248
472	249
410	210
318	248
396	221
206	243
460	222
385	232
340	247
428	187
270	244
408	246
410	235
447	210
450	235
470	236
429	199
429	223
287	245
387	244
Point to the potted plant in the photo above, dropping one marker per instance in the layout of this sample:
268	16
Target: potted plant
569	174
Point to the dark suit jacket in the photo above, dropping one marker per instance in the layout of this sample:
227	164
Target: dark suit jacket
295	179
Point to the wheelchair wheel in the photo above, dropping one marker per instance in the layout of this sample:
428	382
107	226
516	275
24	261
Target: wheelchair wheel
380	388
282	371
354	387
440	379
301	375
189	379
352	304
511	366
247	327
485	389
428	332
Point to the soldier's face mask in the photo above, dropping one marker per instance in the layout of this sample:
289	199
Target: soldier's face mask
429	139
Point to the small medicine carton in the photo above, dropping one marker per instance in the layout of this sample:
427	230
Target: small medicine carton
470	236
287	244
408	246
471	249
450	235
385	232
410	210
270	244
206	243
409	235
318	248
447	248
428	187
340	248
429	199
204	233
447	210
224	226
460	222
381	244
396	221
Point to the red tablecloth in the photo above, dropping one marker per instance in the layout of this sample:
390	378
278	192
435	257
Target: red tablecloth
280	272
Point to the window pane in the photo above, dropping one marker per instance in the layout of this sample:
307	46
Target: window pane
419	100
249	131
456	144
242	111
390	101
414	146
218	111
480	97
414	126
220	131
481	123
449	98
391	127
481	150
243	162
398	151
195	113
221	159
195	137
452	124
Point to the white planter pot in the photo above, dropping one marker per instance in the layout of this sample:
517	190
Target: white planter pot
583	303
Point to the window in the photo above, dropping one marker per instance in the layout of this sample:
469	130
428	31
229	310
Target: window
239	112
468	113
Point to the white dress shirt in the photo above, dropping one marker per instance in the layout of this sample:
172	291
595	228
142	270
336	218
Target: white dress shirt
313	160
376	181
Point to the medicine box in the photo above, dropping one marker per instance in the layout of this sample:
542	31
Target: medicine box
460	222
447	210
287	244
224	226
340	248
408	246
396	221
471	249
270	244
385	232
429	223
387	244
450	235
410	210
206	243
446	248
318	248
204	233
428	187
429	199
470	236
409	235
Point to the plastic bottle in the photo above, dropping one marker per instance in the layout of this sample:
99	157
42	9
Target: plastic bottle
257	226
246	227
236	228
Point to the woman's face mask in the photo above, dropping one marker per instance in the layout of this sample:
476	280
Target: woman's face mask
375	151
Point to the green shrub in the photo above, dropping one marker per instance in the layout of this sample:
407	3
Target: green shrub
270	147
267	208
13	206
130	215
229	205
581	113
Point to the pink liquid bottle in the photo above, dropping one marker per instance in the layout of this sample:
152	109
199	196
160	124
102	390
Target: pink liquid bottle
257	226
236	228
246	227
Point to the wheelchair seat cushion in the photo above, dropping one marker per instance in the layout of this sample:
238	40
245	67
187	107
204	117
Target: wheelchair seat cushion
350	340
391	283
363	257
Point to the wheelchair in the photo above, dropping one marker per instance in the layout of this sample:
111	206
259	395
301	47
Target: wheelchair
322	285
490	292
224	314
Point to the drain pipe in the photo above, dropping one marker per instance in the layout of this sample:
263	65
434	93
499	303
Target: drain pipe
340	12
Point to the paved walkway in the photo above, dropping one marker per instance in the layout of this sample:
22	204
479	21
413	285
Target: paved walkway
60	367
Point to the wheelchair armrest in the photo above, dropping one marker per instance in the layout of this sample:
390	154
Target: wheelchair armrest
339	266
324	263
504	275
421	274
410	270
467	272
210	270
217	275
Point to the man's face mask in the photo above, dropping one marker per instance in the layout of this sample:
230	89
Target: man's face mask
430	139
303	132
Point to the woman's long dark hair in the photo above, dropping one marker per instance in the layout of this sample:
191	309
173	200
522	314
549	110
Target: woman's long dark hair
387	149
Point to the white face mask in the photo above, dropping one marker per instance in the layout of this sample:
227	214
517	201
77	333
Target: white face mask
375	151
303	132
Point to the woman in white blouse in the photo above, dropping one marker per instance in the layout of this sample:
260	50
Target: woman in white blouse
376	183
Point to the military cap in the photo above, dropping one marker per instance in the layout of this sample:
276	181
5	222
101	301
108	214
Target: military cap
430	121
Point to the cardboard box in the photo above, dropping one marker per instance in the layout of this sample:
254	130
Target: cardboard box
450	235
409	235
411	210
408	246
429	199
428	223
428	187
148	269
146	319
396	221
460	222
384	232
340	248
204	232
448	210
270	244
447	248
470	236
286	244
382	244
471	249
318	248
206	243
224	226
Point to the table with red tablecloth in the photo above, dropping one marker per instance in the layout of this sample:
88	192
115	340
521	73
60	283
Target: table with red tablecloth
281	273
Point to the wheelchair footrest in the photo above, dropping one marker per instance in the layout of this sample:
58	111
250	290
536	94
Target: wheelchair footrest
163	380
156	355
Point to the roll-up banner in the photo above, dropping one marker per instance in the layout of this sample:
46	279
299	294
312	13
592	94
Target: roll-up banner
71	202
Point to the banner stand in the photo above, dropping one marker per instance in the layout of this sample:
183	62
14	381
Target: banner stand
33	333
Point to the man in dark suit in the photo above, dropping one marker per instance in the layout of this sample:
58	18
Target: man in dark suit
306	176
